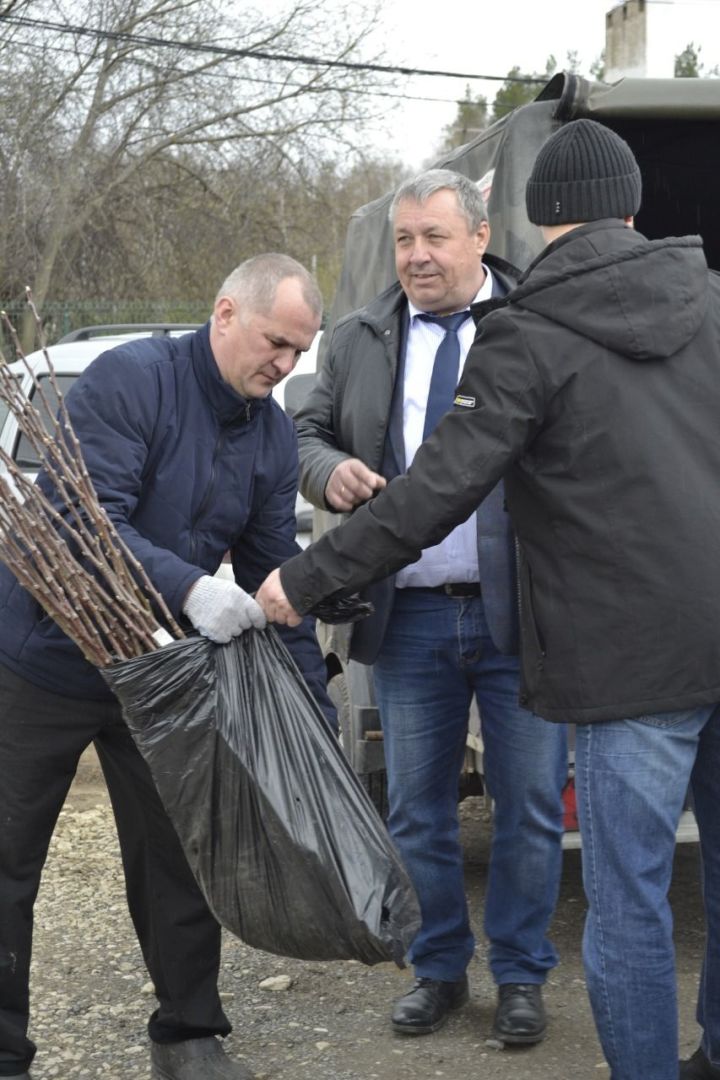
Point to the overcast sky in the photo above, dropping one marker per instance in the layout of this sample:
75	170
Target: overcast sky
472	36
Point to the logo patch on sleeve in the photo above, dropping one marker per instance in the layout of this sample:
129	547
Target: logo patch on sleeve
465	401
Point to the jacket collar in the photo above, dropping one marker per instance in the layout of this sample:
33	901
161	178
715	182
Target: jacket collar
229	406
385	310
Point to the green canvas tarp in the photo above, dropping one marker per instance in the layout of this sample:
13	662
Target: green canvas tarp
672	125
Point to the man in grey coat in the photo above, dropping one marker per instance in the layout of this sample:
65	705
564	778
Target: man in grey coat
445	628
595	392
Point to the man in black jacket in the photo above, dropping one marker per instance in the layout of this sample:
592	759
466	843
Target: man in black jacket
595	393
446	628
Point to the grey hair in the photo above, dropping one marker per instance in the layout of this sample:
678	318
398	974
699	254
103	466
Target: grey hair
254	282
421	187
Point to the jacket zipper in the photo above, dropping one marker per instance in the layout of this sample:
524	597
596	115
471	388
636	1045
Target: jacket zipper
221	440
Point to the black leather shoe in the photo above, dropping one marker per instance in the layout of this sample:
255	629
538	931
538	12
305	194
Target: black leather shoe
426	1007
520	1014
195	1059
698	1068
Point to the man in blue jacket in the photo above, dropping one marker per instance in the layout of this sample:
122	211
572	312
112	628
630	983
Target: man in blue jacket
445	628
191	457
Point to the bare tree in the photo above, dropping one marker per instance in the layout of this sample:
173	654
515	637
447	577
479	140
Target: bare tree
177	228
99	98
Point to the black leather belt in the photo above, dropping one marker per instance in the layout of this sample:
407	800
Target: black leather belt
458	589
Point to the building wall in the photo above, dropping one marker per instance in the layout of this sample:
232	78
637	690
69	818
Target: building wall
643	37
626	40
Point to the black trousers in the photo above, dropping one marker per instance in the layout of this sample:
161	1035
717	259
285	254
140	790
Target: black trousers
42	736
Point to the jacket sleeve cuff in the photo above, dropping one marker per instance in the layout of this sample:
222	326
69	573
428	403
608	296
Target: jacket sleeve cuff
294	583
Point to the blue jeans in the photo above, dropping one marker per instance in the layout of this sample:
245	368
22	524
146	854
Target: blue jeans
632	777
436	654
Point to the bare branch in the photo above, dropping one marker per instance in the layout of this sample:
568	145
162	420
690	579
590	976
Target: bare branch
86	120
65	550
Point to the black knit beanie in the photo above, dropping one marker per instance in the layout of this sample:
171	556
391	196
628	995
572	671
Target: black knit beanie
584	172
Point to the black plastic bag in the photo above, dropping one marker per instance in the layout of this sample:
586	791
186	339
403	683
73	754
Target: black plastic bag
283	840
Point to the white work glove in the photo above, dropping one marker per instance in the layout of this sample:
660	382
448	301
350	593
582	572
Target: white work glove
221	610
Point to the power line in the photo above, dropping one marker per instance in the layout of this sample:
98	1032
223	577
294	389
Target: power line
253	54
289	82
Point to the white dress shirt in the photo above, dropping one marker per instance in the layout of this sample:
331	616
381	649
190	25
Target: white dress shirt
455	558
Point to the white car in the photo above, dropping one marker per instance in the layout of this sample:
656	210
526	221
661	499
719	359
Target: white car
70	357
290	393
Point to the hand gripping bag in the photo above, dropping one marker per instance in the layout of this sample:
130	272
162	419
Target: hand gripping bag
284	842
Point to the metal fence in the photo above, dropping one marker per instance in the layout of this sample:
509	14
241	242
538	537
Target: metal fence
60	317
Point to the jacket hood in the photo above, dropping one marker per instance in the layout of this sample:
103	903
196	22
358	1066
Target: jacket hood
643	299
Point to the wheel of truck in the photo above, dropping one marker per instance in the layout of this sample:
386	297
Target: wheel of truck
375	783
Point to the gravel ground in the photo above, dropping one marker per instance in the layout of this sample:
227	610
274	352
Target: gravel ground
91	995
